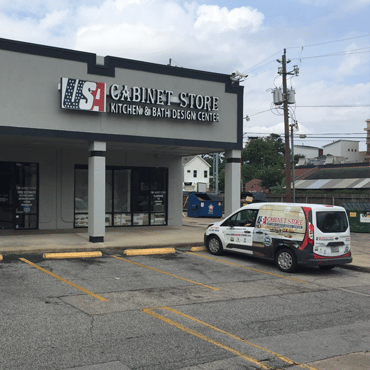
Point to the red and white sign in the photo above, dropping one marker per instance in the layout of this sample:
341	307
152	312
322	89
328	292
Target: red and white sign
83	95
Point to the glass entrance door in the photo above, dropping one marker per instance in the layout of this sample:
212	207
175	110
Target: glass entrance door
18	195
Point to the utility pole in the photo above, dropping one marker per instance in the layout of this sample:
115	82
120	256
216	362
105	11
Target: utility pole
215	172
286	97
286	130
292	126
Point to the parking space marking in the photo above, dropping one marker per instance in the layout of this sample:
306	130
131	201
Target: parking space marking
248	268
283	358
354	292
65	281
210	340
166	273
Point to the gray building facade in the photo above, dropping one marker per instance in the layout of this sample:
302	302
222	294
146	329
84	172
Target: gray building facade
89	141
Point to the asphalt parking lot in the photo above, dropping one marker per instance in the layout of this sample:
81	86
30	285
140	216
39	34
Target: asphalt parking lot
182	310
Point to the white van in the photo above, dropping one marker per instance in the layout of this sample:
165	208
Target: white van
291	234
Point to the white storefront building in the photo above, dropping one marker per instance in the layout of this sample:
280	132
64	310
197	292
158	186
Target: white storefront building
88	141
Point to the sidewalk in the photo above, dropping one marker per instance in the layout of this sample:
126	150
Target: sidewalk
188	235
76	240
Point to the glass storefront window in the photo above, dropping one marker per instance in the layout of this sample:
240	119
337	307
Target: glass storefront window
133	196
122	191
140	191
108	191
81	191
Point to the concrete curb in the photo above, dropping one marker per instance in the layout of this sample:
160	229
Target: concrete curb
96	247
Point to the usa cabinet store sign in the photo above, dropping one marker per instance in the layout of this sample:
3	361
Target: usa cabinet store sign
137	101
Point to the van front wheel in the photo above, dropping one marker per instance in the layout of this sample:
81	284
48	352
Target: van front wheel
214	245
286	261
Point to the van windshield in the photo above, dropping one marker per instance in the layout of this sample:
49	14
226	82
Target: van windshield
332	222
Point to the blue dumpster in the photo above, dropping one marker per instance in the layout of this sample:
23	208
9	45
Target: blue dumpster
204	205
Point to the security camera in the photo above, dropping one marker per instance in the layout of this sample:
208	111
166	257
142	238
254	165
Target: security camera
238	76
241	75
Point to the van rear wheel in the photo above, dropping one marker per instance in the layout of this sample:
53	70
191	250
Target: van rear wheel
285	260
214	245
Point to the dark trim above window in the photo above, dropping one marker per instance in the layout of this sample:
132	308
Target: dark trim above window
97	153
233	160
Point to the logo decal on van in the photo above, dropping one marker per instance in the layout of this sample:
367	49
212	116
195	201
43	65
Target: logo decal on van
267	241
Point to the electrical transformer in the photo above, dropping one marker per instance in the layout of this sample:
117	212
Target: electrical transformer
291	96
278	96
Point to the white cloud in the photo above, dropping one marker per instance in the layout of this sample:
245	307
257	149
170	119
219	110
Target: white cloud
352	62
53	19
211	19
335	4
214	38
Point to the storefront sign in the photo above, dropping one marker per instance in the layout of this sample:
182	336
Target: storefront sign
83	95
137	101
26	196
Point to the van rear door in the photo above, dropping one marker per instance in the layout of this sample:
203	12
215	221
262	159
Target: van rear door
332	234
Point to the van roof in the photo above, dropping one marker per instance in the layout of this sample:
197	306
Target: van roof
310	205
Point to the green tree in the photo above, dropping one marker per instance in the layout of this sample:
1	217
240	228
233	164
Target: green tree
271	177
262	152
263	158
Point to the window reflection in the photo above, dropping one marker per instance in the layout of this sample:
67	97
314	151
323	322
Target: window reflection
133	196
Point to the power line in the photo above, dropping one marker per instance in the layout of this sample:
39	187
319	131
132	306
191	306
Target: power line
274	67
251	68
355	51
328	42
333	106
316	106
329	133
251	115
340	53
297	136
311	137
337	54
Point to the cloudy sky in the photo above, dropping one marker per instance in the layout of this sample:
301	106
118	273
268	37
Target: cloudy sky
329	40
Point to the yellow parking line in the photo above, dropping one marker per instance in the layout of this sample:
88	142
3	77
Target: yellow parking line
65	281
166	273
148	251
283	358
72	255
210	340
248	268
